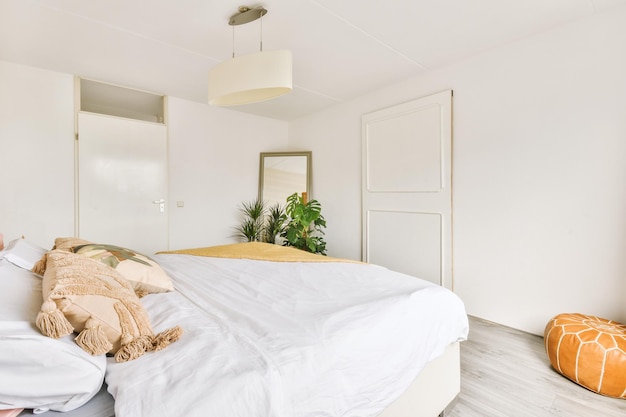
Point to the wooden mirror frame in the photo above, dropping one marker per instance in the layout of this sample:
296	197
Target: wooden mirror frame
262	171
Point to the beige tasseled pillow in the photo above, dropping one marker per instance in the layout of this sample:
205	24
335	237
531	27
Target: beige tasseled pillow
60	243
83	295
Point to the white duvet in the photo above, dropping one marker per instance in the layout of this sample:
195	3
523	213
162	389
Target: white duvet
285	340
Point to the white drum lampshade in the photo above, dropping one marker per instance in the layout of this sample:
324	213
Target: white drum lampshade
251	78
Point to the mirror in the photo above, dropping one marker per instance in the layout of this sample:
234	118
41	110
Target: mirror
282	174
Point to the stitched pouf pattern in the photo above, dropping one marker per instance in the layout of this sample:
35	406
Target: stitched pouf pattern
590	351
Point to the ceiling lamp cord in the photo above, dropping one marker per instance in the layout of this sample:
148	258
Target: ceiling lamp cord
233	41
261	35
244	9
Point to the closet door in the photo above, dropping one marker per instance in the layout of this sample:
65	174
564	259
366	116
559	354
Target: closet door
122	182
407	188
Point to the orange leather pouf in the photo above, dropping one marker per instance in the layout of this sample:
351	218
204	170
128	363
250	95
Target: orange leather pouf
590	351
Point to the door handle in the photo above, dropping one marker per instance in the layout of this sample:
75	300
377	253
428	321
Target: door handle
161	204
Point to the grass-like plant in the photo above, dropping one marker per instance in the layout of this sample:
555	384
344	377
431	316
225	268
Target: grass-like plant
252	224
275	222
260	223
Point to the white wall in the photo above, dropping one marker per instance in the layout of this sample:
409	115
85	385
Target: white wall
539	172
36	153
214	166
213	157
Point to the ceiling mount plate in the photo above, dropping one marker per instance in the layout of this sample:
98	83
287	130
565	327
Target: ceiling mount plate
247	15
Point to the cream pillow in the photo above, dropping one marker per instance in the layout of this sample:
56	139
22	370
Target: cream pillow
83	295
144	274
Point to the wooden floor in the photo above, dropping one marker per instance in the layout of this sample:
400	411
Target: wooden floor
506	373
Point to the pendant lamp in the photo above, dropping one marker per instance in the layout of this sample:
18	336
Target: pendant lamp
250	78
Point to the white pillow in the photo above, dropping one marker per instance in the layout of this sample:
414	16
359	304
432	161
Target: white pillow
36	371
22	253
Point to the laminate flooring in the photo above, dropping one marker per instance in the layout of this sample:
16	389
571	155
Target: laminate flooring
506	373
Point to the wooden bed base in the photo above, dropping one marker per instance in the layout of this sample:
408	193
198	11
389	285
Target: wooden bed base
433	389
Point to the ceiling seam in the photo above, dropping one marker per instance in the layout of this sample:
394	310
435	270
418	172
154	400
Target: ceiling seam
391	48
123	30
338	100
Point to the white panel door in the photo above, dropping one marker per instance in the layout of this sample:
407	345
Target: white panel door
122	182
407	188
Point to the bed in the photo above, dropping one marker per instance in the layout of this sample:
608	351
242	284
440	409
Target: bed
270	332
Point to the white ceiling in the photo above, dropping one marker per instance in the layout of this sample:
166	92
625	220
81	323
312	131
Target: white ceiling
341	48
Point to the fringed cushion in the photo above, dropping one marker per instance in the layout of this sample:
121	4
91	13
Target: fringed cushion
88	297
144	274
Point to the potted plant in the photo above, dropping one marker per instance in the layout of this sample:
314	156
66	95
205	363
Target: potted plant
305	224
253	217
259	223
275	223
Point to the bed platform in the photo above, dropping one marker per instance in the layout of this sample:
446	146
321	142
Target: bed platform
428	396
266	333
434	388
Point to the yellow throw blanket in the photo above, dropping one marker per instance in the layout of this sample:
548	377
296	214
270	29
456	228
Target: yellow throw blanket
260	252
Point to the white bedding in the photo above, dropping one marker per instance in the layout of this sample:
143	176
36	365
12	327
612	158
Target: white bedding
35	371
285	340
